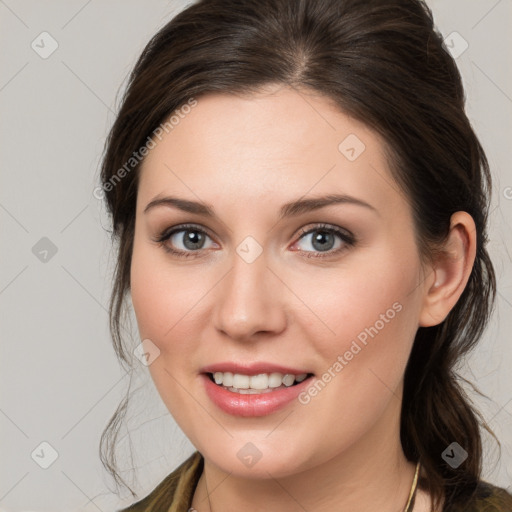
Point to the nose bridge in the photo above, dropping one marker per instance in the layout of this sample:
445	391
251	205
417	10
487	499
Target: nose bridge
249	298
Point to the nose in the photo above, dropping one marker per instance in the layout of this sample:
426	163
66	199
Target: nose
248	302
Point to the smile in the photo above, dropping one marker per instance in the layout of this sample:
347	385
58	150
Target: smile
253	390
256	384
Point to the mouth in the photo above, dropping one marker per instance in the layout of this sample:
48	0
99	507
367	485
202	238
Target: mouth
255	388
256	384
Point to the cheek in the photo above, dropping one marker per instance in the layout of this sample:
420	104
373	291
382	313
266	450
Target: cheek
356	297
372	314
374	317
163	297
165	301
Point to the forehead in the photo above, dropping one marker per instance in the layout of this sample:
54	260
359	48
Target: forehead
277	145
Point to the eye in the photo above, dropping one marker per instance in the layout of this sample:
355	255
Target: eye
326	239
183	241
189	240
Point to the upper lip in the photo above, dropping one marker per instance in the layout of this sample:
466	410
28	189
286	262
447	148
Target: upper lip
251	368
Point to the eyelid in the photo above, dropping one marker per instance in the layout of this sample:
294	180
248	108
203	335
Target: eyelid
320	226
166	233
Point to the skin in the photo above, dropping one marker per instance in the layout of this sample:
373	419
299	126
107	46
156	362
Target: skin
246	157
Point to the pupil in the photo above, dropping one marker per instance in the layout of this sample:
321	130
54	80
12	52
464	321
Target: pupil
320	237
193	240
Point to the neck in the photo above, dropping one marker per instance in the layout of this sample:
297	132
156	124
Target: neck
373	474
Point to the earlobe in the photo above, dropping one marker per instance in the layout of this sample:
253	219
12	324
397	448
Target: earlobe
450	272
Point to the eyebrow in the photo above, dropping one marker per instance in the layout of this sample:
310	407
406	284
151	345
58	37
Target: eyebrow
290	209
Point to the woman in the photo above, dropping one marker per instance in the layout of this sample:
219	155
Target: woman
300	204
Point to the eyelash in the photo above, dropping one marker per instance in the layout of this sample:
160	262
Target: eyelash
348	239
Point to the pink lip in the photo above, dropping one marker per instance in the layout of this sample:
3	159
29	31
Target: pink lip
251	368
258	404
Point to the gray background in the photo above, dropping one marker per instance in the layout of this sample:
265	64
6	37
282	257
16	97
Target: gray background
59	379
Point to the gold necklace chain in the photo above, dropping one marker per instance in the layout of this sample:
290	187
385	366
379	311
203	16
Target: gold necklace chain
406	509
413	487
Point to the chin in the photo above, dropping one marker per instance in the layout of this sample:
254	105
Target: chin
254	457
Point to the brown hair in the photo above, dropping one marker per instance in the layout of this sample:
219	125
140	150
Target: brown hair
382	62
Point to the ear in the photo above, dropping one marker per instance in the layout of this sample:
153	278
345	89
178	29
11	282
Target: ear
450	271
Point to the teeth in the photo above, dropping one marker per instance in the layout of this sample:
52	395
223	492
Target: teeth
275	380
227	380
240	381
288	379
258	381
254	383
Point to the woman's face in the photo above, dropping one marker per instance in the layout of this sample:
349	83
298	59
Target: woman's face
270	289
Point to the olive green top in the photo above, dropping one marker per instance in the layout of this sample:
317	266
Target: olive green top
175	493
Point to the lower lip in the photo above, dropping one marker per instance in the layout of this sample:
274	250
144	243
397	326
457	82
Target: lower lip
259	404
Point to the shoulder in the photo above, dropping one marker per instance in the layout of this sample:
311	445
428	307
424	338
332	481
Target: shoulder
486	498
175	491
